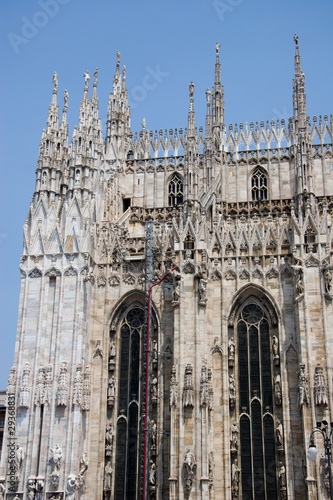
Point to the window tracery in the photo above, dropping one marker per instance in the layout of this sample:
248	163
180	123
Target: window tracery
259	185
175	191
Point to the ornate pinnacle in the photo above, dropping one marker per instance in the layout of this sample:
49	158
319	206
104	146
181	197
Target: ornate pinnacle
86	80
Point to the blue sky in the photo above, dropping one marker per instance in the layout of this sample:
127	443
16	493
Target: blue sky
176	40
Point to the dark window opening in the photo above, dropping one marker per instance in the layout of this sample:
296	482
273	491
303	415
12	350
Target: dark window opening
126	204
259	184
175	191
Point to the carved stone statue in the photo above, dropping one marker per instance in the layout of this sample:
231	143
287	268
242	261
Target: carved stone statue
2	491
202	291
31	488
109	439
108	477
152	473
71	487
19	457
328	276
83	463
47	396
111	391
231	349
204	396
320	387
279	434
303	387
282	475
232	391
153	433
275	348
56	457
39	393
277	390
235	471
176	294
234	436
62	393
189	466
153	389
11	381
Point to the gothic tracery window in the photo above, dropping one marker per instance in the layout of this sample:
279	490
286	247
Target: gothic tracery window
129	393
175	191
255	407
259	185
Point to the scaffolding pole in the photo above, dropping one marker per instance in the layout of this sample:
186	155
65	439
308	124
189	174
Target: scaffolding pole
149	261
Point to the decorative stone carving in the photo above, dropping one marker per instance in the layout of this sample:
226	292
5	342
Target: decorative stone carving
98	351
328	278
84	462
39	392
70	272
114	280
111	391
62	393
88	275
112	356
78	382
231	352
19	458
299	280
320	387
189	466
282	481
152	477
202	289
204	396
232	391
129	279
24	398
277	390
173	388
108	476
35	273
47	396
56	457
303	387
153	390
71	487
31	488
55	479
154	354
188	392
275	349
40	483
109	440
2	490
234	438
86	393
279	434
235	471
101	278
11	384
176	293
153	436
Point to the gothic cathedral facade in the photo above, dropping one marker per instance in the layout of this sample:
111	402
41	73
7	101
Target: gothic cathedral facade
219	400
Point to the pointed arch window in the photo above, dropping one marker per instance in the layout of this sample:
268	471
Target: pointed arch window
259	185
129	394
255	407
175	190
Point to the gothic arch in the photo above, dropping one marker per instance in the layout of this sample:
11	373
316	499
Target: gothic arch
125	392
255	393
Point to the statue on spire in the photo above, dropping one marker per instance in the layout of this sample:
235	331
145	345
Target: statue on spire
118	58
55	82
96	77
86	80
217	48
191	89
296	39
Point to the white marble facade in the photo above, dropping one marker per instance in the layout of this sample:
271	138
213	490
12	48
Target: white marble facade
241	336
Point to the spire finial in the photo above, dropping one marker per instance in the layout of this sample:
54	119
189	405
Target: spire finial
296	40
86	80
217	48
64	110
95	78
118	59
55	82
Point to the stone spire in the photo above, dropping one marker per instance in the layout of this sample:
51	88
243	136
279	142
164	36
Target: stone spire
299	97
53	113
217	102
191	114
208	115
118	118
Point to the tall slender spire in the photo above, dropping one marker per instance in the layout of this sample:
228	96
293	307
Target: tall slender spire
53	112
208	115
217	101
299	97
191	114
